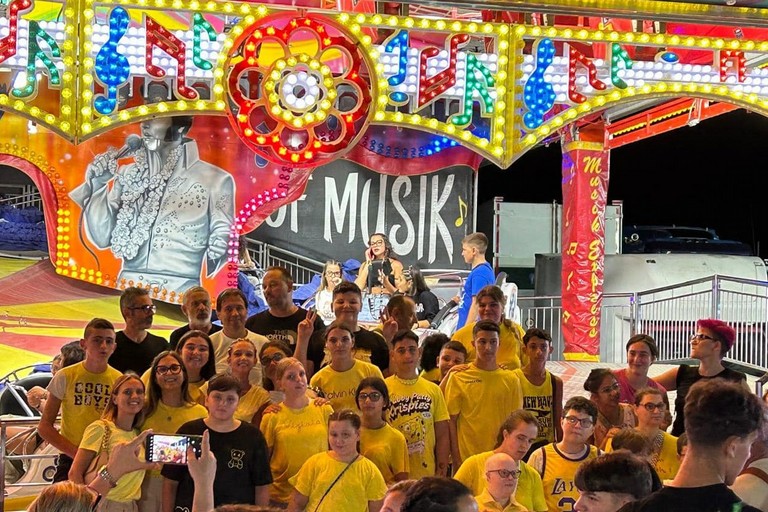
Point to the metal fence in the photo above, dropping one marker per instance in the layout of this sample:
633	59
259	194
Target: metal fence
302	269
669	314
21	196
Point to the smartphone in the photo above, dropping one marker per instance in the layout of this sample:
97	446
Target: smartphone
172	448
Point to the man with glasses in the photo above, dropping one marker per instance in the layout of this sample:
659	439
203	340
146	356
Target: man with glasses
501	475
709	344
136	347
557	462
281	321
417	409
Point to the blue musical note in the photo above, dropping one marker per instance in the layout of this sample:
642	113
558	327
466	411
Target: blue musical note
538	94
399	40
112	67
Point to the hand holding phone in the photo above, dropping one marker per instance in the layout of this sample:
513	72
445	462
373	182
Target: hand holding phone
172	448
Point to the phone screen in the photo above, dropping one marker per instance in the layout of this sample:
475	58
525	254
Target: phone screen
172	448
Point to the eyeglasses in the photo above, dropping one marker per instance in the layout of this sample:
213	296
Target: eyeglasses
506	473
611	388
573	421
332	273
650	407
146	308
376	243
699	337
373	396
165	370
277	356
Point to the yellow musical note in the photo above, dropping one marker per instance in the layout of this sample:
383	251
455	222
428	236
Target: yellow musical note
463	209
572	248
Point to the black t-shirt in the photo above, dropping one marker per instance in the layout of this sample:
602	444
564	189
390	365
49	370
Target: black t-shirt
242	464
285	329
711	498
137	357
427	305
687	376
369	347
181	331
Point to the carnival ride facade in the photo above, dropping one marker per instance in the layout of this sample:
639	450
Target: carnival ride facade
267	92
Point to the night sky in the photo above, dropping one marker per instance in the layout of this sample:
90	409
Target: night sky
710	175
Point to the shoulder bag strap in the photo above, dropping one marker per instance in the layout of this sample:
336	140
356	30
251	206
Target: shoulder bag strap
334	482
759	473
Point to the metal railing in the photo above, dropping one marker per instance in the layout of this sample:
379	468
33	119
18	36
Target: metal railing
25	425
669	314
22	197
265	255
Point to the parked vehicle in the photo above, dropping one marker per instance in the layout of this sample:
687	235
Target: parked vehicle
679	239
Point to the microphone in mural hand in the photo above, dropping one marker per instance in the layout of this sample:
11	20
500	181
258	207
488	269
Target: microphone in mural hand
132	143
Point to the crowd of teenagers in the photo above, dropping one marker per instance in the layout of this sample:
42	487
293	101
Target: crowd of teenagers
298	415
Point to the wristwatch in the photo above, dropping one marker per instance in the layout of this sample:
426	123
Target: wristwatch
105	475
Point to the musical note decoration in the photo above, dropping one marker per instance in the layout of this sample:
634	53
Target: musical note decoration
8	43
35	52
479	79
161	37
619	56
199	25
538	94
576	59
463	210
112	67
430	88
399	40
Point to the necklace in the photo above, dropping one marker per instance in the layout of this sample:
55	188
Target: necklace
140	198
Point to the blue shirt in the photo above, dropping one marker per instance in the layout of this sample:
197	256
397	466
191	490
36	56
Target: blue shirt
480	277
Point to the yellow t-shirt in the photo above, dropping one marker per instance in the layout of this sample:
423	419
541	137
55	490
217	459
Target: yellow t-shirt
530	492
83	397
386	448
668	463
510	354
250	403
432	375
340	387
293	436
196	391
557	472
167	420
415	406
129	485
539	400
486	503
482	400
361	483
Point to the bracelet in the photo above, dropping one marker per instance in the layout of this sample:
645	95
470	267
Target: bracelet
105	475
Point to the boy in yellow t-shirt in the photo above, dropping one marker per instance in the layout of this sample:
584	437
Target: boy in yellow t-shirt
81	392
339	380
480	398
417	409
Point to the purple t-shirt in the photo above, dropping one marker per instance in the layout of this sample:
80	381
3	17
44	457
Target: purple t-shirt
480	277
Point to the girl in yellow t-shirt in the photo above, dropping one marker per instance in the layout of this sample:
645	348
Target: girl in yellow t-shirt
650	410
379	442
339	479
296	432
196	351
119	421
241	357
169	406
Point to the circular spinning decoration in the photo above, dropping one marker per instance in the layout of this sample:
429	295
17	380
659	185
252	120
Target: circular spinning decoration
299	90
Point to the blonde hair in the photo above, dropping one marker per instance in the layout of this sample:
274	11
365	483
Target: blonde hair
63	496
283	365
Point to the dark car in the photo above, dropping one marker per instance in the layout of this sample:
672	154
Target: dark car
679	239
